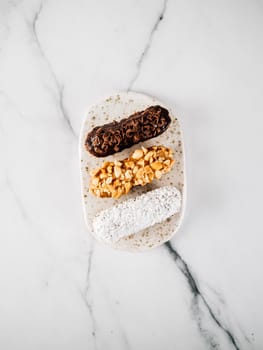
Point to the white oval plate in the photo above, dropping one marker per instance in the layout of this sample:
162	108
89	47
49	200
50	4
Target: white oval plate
117	107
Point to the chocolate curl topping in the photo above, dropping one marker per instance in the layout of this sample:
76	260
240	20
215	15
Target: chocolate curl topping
113	137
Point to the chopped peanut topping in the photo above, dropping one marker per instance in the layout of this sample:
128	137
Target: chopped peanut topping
116	178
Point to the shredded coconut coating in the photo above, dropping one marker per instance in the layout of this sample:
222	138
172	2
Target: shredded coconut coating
136	214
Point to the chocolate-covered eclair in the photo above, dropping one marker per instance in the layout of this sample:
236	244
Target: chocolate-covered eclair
113	137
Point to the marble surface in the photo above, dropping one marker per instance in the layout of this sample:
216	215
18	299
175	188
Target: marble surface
60	289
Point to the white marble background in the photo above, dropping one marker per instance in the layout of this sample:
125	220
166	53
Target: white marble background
58	288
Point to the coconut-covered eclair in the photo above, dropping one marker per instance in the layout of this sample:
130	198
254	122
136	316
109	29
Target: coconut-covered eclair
136	214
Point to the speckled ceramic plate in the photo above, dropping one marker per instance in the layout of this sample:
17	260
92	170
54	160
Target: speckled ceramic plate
116	107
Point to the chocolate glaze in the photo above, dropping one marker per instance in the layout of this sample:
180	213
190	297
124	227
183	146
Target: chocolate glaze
114	137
